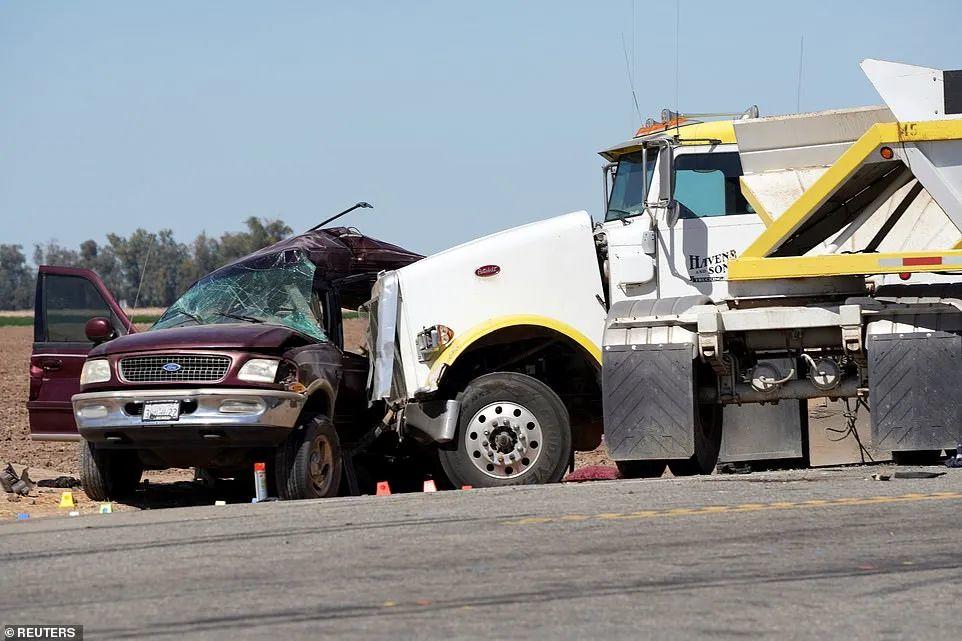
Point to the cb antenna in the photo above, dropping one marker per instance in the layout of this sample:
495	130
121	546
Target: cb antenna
360	205
631	81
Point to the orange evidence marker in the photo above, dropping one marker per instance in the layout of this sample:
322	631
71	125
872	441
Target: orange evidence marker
429	486
383	489
467	487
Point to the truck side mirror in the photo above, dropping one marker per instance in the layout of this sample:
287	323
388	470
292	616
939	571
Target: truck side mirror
672	212
99	330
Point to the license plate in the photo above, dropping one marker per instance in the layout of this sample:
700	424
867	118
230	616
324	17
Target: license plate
161	411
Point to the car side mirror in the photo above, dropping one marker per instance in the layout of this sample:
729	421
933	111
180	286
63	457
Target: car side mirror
99	330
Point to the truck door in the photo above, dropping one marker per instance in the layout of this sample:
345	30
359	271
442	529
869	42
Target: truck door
715	223
66	299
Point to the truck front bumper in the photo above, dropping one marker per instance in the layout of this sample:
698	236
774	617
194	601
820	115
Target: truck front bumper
213	417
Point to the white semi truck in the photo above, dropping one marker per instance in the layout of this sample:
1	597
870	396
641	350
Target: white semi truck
743	267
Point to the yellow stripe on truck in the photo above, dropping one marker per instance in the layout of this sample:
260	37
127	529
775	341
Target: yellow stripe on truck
462	342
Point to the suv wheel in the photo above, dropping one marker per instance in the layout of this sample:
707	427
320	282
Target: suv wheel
308	465
513	430
108	474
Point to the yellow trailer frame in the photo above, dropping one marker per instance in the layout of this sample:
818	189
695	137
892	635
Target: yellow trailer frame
757	262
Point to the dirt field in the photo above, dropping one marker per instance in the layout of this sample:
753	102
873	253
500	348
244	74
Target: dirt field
15	444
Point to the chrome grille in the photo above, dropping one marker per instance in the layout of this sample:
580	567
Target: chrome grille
150	369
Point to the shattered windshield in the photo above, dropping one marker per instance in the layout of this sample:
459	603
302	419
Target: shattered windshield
280	292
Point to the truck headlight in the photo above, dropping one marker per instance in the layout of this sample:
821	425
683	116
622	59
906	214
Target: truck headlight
259	370
431	341
95	371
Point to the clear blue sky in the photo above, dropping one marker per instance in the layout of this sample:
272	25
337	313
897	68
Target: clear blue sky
455	119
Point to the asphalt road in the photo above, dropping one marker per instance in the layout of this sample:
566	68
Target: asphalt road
816	554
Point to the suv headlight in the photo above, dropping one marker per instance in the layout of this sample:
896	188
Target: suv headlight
95	371
259	370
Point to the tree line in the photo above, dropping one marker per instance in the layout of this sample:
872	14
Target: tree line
167	266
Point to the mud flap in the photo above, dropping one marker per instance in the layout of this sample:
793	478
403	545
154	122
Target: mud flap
649	402
913	390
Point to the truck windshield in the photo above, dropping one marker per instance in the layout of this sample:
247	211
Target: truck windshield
279	293
626	198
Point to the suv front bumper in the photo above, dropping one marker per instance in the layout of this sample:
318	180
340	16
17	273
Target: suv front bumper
209	416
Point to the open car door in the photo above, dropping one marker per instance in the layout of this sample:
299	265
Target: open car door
67	297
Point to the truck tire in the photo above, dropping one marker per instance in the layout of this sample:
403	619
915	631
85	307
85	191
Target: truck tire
308	464
707	433
641	469
513	430
108	474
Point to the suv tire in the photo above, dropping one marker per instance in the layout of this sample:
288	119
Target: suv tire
308	464
108	474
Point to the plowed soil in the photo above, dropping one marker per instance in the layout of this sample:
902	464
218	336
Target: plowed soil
15	444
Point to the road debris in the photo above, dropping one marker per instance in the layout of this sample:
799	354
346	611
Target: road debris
260	482
65	482
955	461
878	476
919	474
593	473
735	468
13	484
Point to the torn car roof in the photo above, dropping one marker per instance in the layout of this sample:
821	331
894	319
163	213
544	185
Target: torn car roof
337	252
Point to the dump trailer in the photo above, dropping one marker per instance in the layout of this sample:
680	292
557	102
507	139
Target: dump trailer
744	265
811	309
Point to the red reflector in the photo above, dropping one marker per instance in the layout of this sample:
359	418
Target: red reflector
922	260
259	467
487	270
905	275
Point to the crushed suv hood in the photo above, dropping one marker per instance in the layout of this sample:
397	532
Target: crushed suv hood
241	336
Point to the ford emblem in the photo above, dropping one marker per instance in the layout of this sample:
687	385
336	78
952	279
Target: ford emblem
171	367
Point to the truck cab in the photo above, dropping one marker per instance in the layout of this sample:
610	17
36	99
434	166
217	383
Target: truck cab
654	253
509	320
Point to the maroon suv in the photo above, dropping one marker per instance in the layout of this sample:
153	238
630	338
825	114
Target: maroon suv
249	364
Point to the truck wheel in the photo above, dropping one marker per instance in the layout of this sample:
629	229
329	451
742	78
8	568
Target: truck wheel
708	433
107	474
308	464
513	430
641	469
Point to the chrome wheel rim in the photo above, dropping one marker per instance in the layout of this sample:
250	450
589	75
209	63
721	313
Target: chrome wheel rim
503	439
